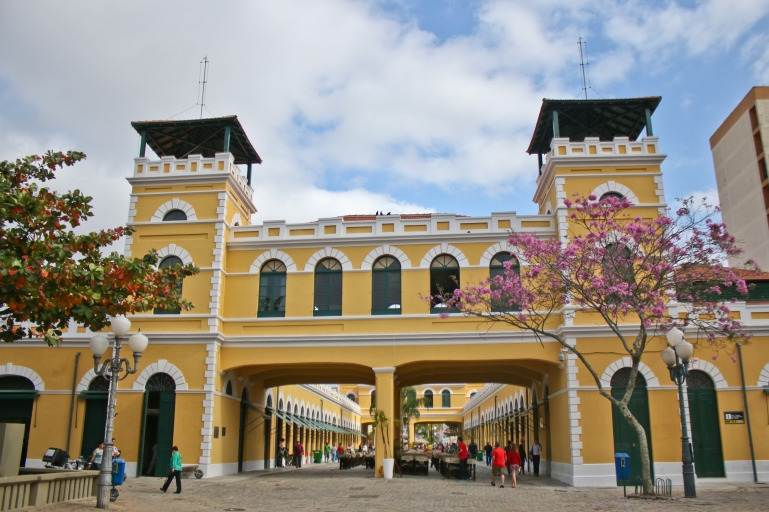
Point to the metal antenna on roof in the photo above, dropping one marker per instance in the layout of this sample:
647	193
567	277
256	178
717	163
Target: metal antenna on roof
204	65
583	65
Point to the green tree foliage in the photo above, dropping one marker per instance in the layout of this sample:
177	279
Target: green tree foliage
50	275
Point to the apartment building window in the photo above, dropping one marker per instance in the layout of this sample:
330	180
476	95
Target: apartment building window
328	288
272	289
386	286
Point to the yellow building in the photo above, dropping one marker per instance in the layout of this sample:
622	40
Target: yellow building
295	325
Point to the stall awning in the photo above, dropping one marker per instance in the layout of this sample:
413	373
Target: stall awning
280	415
300	421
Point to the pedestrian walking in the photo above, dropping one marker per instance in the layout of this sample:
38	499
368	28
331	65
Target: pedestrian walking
175	472
487	451
514	464
298	453
534	453
499	461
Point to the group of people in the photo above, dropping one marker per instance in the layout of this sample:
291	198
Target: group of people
175	471
511	458
331	453
96	456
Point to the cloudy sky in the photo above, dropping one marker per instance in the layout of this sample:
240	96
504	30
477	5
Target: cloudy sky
364	105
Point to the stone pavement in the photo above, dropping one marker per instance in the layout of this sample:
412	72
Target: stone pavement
323	487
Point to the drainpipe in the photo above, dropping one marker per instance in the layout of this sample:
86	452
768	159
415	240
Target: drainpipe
747	415
72	402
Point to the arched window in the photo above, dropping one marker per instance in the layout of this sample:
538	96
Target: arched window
228	389
328	288
444	279
174	215
373	399
612	195
497	270
386	286
351	396
446	398
167	262
428	399
272	289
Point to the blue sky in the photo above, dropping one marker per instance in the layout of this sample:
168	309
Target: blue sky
360	106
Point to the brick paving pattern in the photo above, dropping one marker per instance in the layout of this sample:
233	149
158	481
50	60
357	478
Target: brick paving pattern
324	488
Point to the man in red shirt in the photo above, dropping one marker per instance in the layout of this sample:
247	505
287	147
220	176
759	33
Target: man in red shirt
498	464
462	451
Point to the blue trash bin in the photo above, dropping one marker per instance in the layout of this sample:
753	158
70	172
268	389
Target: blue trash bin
622	465
118	471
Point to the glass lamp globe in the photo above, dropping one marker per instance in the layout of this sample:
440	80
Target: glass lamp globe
674	336
669	356
138	342
685	350
99	344
120	325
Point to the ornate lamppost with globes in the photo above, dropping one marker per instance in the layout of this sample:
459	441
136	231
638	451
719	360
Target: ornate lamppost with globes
676	357
112	369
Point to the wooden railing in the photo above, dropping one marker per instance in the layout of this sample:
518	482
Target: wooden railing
40	489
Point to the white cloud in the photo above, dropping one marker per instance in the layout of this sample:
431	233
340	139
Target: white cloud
352	109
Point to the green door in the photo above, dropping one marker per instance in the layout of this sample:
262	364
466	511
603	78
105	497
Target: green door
95	415
165	431
706	435
625	438
158	425
17	398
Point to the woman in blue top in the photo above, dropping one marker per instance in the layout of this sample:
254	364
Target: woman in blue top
175	471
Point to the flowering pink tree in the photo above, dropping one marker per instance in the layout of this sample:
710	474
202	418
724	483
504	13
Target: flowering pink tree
626	271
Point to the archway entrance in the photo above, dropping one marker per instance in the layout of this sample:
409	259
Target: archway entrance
625	438
157	425
706	435
17	399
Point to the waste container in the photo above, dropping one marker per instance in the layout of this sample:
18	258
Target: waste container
479	456
118	471
622	465
317	456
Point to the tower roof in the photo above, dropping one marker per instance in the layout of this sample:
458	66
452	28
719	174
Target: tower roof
605	119
198	137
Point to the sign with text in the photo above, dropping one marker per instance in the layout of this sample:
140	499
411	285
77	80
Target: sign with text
734	417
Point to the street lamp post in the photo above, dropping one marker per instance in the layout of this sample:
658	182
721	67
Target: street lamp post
676	357
111	370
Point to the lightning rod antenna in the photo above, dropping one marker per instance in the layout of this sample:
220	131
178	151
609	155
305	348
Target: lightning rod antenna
582	63
204	64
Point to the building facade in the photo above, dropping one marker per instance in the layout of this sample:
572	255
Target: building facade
739	158
297	327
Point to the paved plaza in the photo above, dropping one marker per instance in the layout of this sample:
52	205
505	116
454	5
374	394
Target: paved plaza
323	487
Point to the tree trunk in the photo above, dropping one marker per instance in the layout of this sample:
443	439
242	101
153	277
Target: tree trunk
646	474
